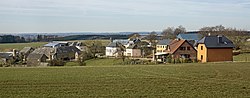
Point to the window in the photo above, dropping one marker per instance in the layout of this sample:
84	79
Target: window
185	55
183	48
201	47
188	48
201	57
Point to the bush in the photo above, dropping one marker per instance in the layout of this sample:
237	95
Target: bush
56	63
178	60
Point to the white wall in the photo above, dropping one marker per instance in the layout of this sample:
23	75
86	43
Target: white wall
133	52
111	50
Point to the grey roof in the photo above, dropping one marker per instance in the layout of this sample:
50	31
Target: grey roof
26	49
164	42
213	42
5	55
113	44
34	56
60	50
134	46
44	50
51	44
123	42
190	36
67	49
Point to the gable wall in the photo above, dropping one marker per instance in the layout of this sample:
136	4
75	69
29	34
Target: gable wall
191	52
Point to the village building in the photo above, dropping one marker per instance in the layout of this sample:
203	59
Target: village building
64	53
133	51
37	60
25	52
6	56
162	48
175	49
215	49
113	48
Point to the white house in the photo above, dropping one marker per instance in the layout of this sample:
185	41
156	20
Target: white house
133	51
111	49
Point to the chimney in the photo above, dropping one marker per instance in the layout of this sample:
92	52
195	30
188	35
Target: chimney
219	39
14	52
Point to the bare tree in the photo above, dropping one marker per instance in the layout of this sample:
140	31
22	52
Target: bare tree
168	33
179	29
134	36
237	36
152	38
95	47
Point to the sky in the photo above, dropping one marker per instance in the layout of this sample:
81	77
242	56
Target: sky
120	15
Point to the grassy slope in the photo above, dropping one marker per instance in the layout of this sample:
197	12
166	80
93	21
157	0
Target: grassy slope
242	57
19	46
102	62
186	80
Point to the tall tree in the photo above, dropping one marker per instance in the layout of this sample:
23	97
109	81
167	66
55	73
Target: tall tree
134	36
180	29
152	38
168	33
95	47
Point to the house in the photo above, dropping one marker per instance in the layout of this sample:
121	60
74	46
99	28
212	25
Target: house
113	48
6	56
25	52
58	53
192	38
133	51
37	60
214	49
79	45
132	42
175	49
162	49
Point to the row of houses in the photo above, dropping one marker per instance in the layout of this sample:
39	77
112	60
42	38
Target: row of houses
64	51
130	48
188	46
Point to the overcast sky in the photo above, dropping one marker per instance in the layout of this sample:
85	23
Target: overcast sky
120	15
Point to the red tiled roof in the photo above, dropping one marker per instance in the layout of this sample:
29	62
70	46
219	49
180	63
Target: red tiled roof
175	44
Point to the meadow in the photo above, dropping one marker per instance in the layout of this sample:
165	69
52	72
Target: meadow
18	46
179	80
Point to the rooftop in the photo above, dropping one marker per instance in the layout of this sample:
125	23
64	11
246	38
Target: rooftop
216	42
190	36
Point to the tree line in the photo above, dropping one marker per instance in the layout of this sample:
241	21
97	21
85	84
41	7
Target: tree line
237	36
11	39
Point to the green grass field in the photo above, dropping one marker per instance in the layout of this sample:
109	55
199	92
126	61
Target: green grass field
10	46
242	57
19	46
182	80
